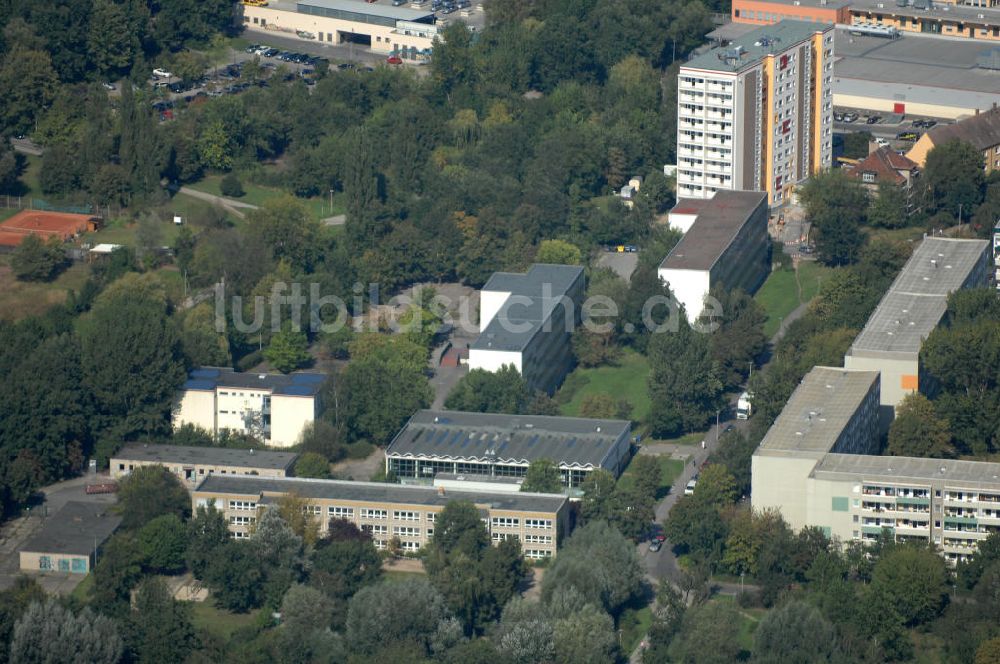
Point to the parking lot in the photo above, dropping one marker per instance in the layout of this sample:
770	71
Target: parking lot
899	132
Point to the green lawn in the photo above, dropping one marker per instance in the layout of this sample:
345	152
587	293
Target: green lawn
669	470
221	623
633	625
395	576
749	619
626	381
318	206
780	293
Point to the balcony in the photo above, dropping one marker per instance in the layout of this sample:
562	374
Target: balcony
921	502
877	530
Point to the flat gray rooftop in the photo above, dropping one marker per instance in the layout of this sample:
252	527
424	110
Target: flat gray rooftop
519	320
302	383
475	477
756	45
718	222
859	467
918	298
206	456
75	529
818	410
379	492
385	10
915	68
940	10
573	442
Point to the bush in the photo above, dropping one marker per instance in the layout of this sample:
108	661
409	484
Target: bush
360	450
231	186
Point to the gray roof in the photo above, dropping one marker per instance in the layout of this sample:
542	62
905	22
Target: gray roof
939	10
818	410
518	321
914	69
370	9
378	492
573	442
860	467
917	299
74	529
206	456
756	45
475	477
982	131
301	384
718	222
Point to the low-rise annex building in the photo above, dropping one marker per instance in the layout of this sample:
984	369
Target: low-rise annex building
273	407
192	464
497	445
69	540
387	511
383	28
725	242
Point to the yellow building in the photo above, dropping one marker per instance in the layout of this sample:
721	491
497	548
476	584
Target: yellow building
930	17
384	28
387	511
982	131
273	407
193	464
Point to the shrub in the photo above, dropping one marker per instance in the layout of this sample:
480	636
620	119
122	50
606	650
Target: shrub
231	186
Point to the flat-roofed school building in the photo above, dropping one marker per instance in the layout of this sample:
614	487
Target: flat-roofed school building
69	540
387	511
526	320
912	308
379	26
490	444
273	407
193	464
725	242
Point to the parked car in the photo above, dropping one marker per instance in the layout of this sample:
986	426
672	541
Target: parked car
271	52
803	249
655	545
398	3
108	86
162	73
692	483
252	48
907	136
873	119
881	142
850	117
631	249
924	124
839	117
394	60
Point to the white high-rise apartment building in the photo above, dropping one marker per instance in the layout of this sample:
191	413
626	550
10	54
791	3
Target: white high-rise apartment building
757	115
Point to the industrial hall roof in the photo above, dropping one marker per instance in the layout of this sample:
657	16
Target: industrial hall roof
572	442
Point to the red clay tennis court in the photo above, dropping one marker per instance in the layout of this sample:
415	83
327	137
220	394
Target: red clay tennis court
63	225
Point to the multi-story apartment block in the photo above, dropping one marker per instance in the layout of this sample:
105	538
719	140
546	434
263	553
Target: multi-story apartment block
193	464
832	410
388	511
914	305
768	12
725	242
273	407
757	114
495	445
526	320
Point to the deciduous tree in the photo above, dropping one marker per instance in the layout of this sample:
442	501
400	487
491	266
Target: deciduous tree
543	476
917	431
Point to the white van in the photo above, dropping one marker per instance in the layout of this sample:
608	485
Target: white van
692	483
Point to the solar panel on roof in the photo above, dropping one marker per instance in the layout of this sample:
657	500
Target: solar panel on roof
297	390
307	379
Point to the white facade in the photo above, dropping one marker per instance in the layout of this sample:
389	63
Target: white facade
689	287
494	360
489	304
276	410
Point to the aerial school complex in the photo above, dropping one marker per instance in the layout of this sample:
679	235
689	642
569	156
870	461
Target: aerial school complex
818	464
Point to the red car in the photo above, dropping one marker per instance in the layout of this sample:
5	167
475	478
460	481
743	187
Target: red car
394	60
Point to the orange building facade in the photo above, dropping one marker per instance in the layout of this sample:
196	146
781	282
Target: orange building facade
763	12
